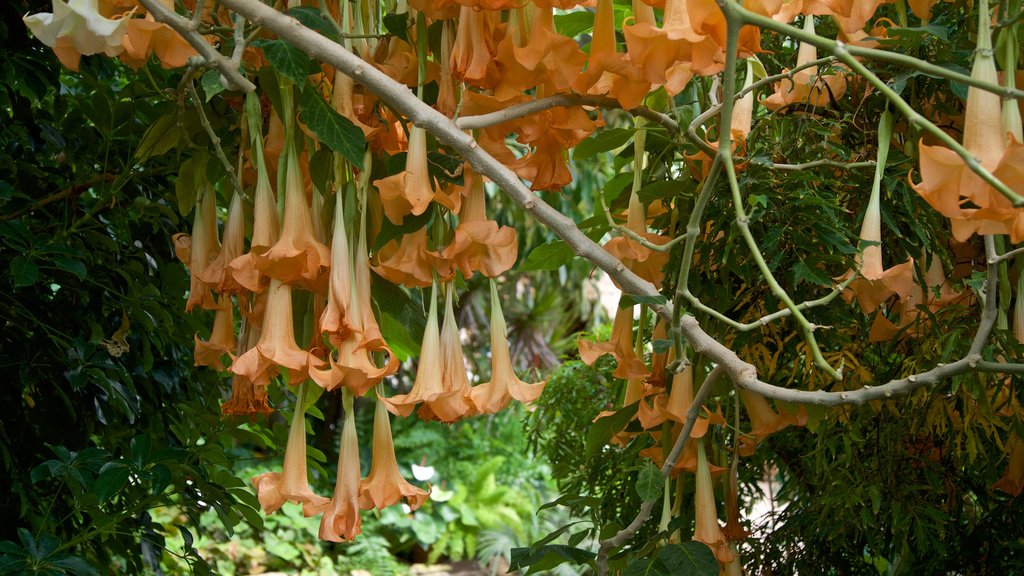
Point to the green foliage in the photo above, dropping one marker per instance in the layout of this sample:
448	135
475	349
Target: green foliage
103	418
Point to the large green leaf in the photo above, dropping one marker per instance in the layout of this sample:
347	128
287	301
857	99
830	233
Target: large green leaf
333	129
649	482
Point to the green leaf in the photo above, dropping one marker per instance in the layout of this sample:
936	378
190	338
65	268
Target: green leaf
646	567
74	565
602	142
113	477
287	59
602	430
185	185
212	84
72	265
547	557
549	256
649	482
689	559
161	479
23	271
313	19
161	136
397	25
334	130
574	23
396	335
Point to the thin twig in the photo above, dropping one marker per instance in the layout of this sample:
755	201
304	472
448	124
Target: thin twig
232	175
993	260
626	534
846	54
532	107
233	79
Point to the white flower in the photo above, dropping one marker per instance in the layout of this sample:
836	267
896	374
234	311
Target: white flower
422	473
80	21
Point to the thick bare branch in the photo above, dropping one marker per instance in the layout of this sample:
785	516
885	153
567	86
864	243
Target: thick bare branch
403	100
233	79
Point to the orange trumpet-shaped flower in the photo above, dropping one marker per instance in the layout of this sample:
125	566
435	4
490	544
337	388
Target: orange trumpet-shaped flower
706	528
764	421
217	274
641	260
341	521
948	185
476	45
480	244
222	338
200	249
629	365
454	400
265	227
75	29
408	262
410	191
875	284
807	86
1012	480
1018	308
851	15
336	319
674	406
504	386
532	53
291	485
671	54
354	367
247	399
145	37
608	71
297	256
276	347
427	385
384	485
441	385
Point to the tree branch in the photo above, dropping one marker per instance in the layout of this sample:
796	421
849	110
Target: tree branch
559	100
626	534
232	78
401	99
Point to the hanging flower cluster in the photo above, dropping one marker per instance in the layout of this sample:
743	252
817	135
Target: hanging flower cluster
289	277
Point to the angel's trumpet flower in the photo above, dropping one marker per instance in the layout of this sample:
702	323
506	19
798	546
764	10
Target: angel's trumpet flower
675	406
948	184
807	86
441	385
354	367
75	29
384	485
475	47
247	399
200	249
217	274
493	396
480	244
298	257
291	485
1012	480
336	319
265	227
629	365
610	72
411	190
764	421
533	53
640	259
222	338
874	283
410	263
706	528
145	37
277	347
341	521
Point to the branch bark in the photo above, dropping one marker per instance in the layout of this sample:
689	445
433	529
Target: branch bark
233	79
445	130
